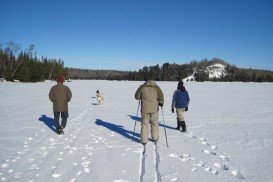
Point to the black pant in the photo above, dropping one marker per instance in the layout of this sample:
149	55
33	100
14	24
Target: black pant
64	116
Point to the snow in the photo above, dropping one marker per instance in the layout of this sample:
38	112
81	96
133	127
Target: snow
189	78
216	70
229	134
2	80
217	65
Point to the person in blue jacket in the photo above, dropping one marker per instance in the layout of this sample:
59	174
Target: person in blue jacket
180	101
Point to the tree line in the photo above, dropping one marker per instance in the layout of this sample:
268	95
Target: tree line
87	74
198	70
24	66
176	72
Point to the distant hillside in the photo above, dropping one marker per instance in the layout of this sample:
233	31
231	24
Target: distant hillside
226	72
204	70
213	71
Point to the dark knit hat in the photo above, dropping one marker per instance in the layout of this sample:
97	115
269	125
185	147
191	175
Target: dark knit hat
180	83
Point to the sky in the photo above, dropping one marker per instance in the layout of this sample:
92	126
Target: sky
129	34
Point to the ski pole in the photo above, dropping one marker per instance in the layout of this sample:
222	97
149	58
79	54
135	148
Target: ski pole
164	128
136	121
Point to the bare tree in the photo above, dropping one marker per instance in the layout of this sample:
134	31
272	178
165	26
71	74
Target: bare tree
30	50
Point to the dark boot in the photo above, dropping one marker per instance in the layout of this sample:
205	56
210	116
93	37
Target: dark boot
183	125
60	130
178	125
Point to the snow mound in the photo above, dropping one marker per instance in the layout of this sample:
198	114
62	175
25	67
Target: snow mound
189	78
216	70
2	80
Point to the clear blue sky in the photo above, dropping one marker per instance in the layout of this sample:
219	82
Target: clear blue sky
129	34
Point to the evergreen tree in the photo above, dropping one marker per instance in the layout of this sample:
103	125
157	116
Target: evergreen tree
165	72
254	77
23	73
35	71
201	75
25	68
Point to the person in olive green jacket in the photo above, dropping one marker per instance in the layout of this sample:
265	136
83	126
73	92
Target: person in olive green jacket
151	97
60	95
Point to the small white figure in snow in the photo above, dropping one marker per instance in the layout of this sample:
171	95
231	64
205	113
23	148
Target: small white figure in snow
99	97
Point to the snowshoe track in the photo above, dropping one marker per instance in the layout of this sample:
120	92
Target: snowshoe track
46	153
215	168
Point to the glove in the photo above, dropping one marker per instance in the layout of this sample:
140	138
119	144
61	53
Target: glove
160	104
172	110
186	109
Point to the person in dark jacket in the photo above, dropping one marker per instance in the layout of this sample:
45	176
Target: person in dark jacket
180	101
60	95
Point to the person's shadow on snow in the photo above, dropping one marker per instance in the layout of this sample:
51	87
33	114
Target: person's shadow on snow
136	118
119	129
49	122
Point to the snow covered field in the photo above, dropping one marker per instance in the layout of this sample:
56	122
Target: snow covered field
229	138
